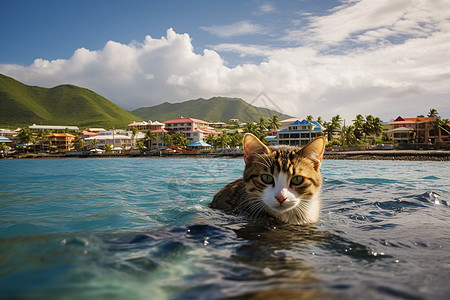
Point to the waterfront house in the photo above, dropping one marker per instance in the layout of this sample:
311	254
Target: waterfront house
299	133
158	142
5	140
85	134
119	139
61	141
52	128
144	126
194	130
97	130
413	130
11	134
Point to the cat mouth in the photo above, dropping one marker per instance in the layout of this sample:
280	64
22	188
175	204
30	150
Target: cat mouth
282	207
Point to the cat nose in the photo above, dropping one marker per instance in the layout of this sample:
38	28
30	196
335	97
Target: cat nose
280	198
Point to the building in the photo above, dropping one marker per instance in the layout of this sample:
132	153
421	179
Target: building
118	139
86	134
218	124
62	141
144	126
194	130
413	130
299	133
52	128
96	130
5	140
158	143
9	133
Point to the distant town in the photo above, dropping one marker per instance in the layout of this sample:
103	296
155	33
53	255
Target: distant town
193	136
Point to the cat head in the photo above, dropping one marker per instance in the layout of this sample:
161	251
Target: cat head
284	181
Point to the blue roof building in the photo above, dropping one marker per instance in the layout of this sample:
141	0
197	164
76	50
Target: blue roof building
299	133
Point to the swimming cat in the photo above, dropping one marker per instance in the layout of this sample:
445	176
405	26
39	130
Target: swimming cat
282	181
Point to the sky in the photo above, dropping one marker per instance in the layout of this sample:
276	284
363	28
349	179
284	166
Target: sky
321	58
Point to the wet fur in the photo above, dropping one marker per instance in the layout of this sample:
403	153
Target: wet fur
245	195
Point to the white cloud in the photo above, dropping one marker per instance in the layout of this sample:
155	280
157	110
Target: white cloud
235	29
367	20
265	9
385	79
244	50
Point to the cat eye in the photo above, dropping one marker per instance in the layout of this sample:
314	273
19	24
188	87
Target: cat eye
296	180
267	179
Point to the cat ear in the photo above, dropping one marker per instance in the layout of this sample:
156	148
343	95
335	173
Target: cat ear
314	150
253	147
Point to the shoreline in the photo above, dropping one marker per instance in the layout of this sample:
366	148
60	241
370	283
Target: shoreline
405	155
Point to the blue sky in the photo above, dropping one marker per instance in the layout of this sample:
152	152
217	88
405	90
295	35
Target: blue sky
385	58
55	29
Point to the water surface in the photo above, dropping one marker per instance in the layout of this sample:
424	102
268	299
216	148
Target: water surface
140	228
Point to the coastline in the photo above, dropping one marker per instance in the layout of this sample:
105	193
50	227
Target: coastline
405	155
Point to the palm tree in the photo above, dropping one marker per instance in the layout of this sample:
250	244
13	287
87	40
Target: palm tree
82	144
348	135
328	130
236	139
94	143
309	118
140	144
251	127
178	138
4	147
25	135
211	139
336	121
262	124
358	124
223	140
432	113
274	122
76	142
166	138
332	126
108	148
134	132
438	124
372	126
319	120
149	137
377	127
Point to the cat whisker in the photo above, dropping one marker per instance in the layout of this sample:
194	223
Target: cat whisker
254	199
267	163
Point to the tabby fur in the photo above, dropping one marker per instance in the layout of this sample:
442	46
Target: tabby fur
282	182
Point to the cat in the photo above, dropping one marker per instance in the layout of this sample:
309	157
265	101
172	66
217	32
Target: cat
282	182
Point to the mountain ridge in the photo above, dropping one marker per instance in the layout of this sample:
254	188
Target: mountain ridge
66	104
214	109
24	105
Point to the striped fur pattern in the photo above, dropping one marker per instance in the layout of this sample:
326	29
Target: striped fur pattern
283	182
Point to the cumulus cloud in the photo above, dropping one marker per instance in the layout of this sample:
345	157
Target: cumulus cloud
385	79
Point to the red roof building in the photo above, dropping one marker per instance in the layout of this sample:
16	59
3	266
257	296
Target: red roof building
418	130
193	129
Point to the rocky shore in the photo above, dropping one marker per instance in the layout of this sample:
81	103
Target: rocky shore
408	155
411	155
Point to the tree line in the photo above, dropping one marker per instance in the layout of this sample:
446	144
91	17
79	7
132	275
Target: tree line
362	130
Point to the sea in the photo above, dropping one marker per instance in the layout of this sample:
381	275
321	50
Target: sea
140	228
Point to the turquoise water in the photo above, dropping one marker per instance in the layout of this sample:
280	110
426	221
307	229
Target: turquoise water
140	228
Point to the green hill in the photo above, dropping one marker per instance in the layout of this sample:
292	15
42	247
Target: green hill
214	109
22	105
